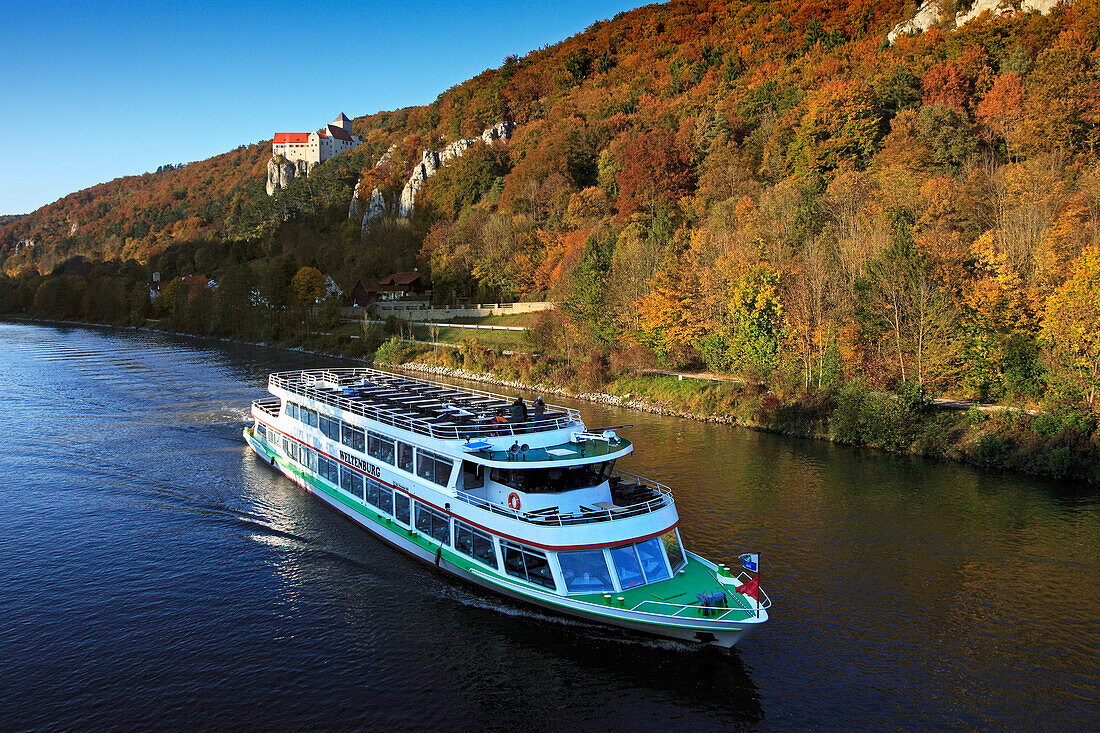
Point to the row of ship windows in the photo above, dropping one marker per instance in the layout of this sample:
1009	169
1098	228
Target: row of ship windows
430	466
583	571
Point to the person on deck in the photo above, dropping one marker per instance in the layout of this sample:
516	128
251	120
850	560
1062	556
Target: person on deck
518	410
540	407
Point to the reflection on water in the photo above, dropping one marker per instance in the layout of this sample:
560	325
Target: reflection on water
157	573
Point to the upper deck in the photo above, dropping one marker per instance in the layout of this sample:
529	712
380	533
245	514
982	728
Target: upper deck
433	409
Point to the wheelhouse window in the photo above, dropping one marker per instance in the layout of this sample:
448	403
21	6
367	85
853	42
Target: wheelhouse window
553	480
473	475
527	564
435	524
627	566
352	437
381	447
328	469
473	543
674	549
351	481
432	467
652	560
401	509
329	426
405	457
585	571
380	496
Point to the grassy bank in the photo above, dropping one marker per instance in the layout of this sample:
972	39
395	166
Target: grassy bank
1061	445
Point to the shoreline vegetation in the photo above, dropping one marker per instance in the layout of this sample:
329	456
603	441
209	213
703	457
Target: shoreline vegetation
1052	444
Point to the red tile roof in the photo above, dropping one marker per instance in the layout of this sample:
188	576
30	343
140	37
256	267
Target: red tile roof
292	137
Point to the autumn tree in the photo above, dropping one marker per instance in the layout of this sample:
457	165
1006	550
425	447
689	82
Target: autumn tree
309	286
1071	328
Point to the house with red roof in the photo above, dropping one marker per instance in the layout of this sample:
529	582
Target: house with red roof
307	149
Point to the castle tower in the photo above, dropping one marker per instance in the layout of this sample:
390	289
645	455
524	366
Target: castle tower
342	121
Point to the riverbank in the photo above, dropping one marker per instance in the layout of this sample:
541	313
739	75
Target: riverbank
1058	445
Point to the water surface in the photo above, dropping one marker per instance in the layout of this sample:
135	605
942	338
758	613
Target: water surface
155	574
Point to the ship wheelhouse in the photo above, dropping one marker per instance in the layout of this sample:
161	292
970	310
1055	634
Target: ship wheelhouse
518	494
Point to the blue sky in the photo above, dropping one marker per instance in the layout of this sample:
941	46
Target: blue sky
97	90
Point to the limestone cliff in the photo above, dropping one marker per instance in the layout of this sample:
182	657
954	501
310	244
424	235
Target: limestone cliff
431	161
929	12
993	7
280	172
928	15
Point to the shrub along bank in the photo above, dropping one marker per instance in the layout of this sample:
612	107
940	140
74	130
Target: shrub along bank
1061	445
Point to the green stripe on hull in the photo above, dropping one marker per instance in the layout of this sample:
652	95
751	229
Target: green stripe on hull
696	578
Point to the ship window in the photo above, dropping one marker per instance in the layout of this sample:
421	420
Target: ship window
290	409
432	467
585	571
553	480
626	565
261	430
380	496
653	560
380	447
434	524
530	565
475	544
405	457
351	437
674	549
328	469
473	475
311	456
401	508
292	450
329	426
308	416
351	481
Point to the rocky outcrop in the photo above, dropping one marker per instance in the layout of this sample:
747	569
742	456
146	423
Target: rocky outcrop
993	7
280	172
500	131
1042	6
928	15
353	207
422	171
430	161
376	207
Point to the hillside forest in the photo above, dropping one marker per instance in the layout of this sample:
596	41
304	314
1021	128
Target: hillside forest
769	190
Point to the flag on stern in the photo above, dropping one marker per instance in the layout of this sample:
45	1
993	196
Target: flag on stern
751	589
751	562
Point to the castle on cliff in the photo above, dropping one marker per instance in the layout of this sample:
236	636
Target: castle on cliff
301	151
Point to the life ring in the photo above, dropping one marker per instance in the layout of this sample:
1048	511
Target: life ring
513	501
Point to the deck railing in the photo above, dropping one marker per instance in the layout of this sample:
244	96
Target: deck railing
662	498
325	385
269	406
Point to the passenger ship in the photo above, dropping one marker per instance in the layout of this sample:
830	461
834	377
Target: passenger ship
515	496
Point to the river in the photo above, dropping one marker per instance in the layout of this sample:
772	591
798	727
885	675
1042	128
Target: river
156	574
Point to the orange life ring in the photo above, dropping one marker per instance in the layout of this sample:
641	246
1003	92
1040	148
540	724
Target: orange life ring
513	501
